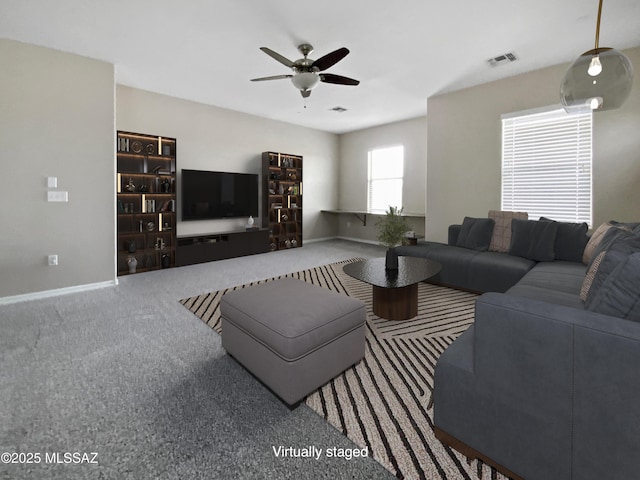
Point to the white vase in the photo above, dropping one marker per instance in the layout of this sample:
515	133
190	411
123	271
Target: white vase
132	263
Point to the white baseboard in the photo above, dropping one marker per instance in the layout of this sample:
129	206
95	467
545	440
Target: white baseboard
56	292
350	239
360	240
314	240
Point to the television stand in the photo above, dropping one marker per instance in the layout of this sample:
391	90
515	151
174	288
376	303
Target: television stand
194	249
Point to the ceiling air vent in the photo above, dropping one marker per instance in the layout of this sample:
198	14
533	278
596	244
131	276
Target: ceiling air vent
338	109
502	59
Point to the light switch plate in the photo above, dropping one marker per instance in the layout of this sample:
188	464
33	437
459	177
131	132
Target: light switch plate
52	182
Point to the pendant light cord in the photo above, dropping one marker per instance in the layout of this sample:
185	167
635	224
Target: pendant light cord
598	24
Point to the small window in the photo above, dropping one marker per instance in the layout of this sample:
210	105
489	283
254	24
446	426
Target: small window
546	164
386	171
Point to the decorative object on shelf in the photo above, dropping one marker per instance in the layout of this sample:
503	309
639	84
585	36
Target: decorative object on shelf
294	242
130	187
151	226
132	263
165	261
136	146
151	149
143	188
148	262
132	246
292	176
165	186
281	189
251	221
272	246
599	79
391	232
287	243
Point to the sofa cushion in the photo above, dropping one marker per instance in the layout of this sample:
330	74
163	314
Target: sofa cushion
534	240
555	282
496	272
558	275
475	233
624	246
619	295
570	240
501	237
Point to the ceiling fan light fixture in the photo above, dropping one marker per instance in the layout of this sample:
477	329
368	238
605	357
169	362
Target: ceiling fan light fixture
599	79
305	81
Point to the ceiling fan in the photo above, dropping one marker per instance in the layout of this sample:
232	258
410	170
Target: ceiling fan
307	72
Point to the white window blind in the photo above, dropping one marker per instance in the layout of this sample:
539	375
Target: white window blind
546	164
386	172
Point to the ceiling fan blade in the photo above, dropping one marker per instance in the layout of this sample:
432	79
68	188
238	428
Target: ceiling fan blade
338	79
330	59
305	93
283	60
274	77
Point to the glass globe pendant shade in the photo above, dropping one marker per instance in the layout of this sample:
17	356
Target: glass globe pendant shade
599	79
305	81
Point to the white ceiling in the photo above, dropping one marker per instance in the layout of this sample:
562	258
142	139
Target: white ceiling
402	52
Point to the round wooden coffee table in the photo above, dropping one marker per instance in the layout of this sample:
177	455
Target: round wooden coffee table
395	292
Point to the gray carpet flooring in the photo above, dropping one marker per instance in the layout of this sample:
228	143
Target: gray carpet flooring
129	374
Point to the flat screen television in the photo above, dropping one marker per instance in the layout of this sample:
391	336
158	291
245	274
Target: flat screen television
207	195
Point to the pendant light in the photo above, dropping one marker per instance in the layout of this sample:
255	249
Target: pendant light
599	79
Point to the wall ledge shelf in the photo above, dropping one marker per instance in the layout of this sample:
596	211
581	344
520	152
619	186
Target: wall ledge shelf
362	214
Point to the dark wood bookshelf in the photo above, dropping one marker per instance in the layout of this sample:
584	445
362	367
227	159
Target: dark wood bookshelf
145	201
282	199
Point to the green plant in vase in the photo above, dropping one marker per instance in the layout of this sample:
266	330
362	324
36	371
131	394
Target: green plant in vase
391	233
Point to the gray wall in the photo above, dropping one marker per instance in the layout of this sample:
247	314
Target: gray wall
212	138
56	119
353	176
464	148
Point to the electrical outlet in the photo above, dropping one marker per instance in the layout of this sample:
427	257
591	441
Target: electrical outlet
53	260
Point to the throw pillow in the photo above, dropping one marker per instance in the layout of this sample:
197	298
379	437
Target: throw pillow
475	233
623	246
570	240
607	239
533	240
594	241
501	237
625	225
619	296
591	274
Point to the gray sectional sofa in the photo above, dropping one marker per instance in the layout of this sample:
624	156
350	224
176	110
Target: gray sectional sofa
546	383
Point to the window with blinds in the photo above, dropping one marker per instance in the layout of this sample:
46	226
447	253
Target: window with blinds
546	164
386	172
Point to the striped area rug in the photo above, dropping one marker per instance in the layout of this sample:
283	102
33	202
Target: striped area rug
381	403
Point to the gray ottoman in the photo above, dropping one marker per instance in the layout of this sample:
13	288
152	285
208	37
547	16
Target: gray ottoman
293	336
